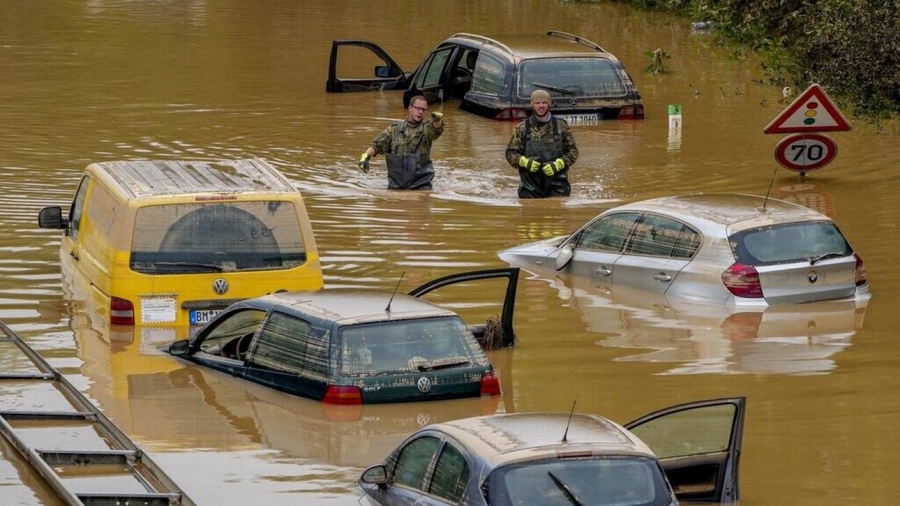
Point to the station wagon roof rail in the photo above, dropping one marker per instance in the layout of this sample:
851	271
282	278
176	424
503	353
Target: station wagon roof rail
576	38
483	40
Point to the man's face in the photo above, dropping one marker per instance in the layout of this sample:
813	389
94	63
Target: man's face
541	107
417	110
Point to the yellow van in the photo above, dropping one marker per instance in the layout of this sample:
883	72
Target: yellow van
171	243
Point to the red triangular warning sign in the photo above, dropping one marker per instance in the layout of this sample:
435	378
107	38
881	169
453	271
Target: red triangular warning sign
813	111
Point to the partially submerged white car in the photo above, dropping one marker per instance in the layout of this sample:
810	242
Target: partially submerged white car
740	250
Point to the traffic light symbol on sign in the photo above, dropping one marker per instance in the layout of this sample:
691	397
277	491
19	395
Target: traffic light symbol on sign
813	111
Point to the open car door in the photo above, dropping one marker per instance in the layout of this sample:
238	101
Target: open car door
698	445
489	336
388	76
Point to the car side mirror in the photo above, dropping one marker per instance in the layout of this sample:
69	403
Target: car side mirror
382	71
375	475
179	348
565	255
51	217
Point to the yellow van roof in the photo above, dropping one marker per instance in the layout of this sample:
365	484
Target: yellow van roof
146	178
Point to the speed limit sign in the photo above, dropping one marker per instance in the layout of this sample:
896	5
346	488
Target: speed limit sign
805	152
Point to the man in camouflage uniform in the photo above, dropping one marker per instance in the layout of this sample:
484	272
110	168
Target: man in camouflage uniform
543	148
406	146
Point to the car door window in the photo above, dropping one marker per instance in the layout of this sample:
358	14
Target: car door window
488	75
414	461
691	432
231	328
77	208
288	344
688	243
655	236
430	74
451	475
608	233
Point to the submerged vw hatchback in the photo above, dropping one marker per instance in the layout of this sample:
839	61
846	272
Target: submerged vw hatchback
738	250
345	346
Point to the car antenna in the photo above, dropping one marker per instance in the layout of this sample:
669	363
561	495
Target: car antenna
388	308
566	433
771	181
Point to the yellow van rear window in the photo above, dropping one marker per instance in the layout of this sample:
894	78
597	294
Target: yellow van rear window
217	237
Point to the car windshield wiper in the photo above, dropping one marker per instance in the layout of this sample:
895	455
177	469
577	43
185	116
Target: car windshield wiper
443	365
566	490
209	267
554	88
823	256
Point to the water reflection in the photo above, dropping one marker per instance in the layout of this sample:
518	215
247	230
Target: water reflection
712	339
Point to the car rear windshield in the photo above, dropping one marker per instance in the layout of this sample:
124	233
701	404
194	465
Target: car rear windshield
787	243
407	346
571	77
606	481
216	237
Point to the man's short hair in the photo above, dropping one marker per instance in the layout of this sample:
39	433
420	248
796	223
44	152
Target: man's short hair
417	97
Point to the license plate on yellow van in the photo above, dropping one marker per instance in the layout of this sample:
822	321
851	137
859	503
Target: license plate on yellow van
203	316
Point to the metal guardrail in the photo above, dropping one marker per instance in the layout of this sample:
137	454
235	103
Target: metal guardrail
62	467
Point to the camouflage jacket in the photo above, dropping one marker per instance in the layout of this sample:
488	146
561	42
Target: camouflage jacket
402	138
542	132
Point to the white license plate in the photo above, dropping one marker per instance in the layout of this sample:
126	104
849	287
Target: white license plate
581	119
200	317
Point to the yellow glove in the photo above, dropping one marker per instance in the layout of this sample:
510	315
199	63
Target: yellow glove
530	164
364	162
437	116
554	167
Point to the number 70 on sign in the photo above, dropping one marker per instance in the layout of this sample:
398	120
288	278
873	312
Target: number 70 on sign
805	152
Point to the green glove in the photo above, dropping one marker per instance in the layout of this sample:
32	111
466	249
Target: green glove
437	116
364	162
530	164
554	167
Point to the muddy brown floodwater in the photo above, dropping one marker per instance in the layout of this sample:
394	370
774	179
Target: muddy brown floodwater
95	80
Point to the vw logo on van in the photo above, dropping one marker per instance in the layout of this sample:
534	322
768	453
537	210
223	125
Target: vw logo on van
220	286
812	276
424	384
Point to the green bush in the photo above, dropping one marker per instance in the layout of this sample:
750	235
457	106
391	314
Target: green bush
851	47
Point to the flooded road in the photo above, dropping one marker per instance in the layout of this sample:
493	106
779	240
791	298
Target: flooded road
95	80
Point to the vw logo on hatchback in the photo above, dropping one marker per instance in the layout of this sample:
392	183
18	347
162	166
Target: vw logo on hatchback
424	384
220	286
812	276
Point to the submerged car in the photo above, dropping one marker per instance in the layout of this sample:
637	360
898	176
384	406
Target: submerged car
344	346
688	452
740	250
495	76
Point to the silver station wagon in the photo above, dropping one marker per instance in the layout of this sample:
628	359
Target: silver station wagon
688	452
740	250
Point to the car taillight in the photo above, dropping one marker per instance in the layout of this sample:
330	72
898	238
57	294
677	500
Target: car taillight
742	281
342	395
512	113
121	311
860	273
490	385
631	112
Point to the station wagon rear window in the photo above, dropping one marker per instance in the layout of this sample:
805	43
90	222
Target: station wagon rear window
792	242
407	346
217	237
580	77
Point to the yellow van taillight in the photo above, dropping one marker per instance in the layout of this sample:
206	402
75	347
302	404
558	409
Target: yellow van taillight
121	311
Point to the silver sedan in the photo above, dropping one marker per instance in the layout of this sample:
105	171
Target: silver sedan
740	250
